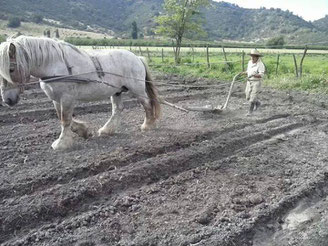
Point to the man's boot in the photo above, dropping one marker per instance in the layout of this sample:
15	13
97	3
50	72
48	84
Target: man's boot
251	108
257	105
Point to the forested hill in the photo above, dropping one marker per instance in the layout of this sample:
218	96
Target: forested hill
322	24
223	20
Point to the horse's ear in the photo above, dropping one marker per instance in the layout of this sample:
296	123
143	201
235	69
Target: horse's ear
12	51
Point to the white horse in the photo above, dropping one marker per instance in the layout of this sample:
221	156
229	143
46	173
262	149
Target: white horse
69	75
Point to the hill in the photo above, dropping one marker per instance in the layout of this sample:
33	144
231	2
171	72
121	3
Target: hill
114	17
33	29
256	24
322	24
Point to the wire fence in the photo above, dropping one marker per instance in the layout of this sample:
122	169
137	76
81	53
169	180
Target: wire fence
287	60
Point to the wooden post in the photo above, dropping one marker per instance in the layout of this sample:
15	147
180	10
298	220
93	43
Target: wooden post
140	50
225	59
295	63
277	64
208	57
149	59
193	54
162	55
243	61
301	63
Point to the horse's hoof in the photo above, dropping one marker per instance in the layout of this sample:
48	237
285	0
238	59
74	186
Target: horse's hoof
62	145
105	131
145	127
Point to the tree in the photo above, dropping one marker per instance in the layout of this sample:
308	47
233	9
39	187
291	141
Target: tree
182	18
134	33
14	22
37	18
276	42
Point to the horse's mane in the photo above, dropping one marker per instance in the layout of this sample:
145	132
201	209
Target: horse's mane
32	52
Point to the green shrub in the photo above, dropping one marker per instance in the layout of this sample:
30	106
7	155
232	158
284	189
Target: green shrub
14	22
37	18
276	42
2	38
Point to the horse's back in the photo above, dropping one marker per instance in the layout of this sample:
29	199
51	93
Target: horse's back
123	62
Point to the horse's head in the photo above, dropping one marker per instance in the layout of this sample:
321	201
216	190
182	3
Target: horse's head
10	92
14	62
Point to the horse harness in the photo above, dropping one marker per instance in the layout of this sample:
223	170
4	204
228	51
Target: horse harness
98	67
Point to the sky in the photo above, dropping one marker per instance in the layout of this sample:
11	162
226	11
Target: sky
309	10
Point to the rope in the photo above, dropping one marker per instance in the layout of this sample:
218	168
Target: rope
73	78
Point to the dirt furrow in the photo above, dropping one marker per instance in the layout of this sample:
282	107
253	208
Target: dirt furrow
267	222
64	199
112	162
30	116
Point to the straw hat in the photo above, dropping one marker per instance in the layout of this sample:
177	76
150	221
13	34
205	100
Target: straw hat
255	52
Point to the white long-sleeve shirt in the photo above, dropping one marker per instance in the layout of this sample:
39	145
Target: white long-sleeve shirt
255	68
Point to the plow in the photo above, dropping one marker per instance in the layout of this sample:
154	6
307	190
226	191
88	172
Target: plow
216	108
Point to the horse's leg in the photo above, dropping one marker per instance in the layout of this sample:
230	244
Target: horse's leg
115	119
77	126
65	113
149	121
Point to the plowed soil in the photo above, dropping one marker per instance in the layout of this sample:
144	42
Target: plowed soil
197	179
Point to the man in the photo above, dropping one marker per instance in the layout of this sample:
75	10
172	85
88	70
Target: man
255	72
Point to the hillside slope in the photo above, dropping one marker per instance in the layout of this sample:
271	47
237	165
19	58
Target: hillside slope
223	20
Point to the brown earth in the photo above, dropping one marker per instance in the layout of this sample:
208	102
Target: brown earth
198	179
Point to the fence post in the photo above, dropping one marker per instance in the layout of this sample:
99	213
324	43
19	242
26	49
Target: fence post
148	54
225	58
193	54
208	57
301	63
243	61
140	50
277	64
162	55
295	63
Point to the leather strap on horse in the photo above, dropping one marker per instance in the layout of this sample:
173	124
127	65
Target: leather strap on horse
98	67
69	68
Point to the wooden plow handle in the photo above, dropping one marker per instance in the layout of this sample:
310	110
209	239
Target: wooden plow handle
229	93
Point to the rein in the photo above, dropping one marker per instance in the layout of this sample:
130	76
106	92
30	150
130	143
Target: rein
75	79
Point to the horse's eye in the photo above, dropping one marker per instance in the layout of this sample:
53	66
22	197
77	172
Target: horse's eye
11	70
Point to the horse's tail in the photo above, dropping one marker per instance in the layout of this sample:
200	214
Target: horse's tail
152	92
